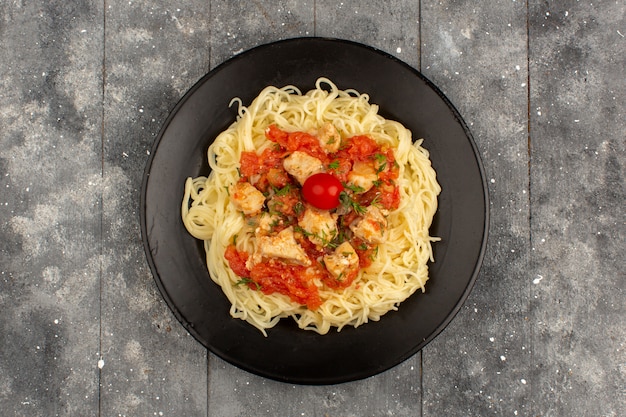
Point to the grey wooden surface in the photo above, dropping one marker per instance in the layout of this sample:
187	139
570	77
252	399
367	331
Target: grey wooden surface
84	89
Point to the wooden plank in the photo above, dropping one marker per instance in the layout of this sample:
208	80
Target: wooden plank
50	119
476	53
392	26
577	109
239	26
542	333
236	392
154	53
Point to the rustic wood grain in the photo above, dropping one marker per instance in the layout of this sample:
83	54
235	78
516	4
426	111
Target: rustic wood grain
50	207
154	53
85	88
476	53
577	112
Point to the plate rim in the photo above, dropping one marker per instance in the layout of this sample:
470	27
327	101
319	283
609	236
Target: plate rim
148	250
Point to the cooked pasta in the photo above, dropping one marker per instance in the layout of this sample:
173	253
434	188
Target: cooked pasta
252	218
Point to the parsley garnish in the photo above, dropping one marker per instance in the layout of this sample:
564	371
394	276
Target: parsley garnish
354	188
349	203
283	191
380	158
298	208
248	282
334	164
374	254
326	239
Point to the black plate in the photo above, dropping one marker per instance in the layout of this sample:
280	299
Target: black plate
288	354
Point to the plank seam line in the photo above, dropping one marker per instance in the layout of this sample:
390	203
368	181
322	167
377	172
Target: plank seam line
529	186
101	197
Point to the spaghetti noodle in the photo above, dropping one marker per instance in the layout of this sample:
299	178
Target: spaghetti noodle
253	220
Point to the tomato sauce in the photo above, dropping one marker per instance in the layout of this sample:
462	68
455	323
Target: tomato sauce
385	195
285	204
366	252
294	281
267	167
237	261
297	141
342	282
285	200
250	164
361	148
340	168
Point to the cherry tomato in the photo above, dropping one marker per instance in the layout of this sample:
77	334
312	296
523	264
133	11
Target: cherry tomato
322	191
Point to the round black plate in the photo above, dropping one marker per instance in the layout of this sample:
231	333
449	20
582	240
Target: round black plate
289	354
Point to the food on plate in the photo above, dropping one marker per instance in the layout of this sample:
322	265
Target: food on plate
316	208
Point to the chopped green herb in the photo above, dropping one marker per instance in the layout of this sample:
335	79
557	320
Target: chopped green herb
248	282
349	203
380	158
334	164
374	253
326	239
298	208
376	201
274	223
354	188
283	191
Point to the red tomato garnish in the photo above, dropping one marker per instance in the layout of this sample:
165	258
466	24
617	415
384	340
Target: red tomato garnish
322	191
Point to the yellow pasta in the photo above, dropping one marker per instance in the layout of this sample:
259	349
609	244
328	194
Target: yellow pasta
400	267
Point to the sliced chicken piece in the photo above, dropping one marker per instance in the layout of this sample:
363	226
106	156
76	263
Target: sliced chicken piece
372	227
266	225
282	246
320	226
329	138
363	175
302	165
247	198
342	263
